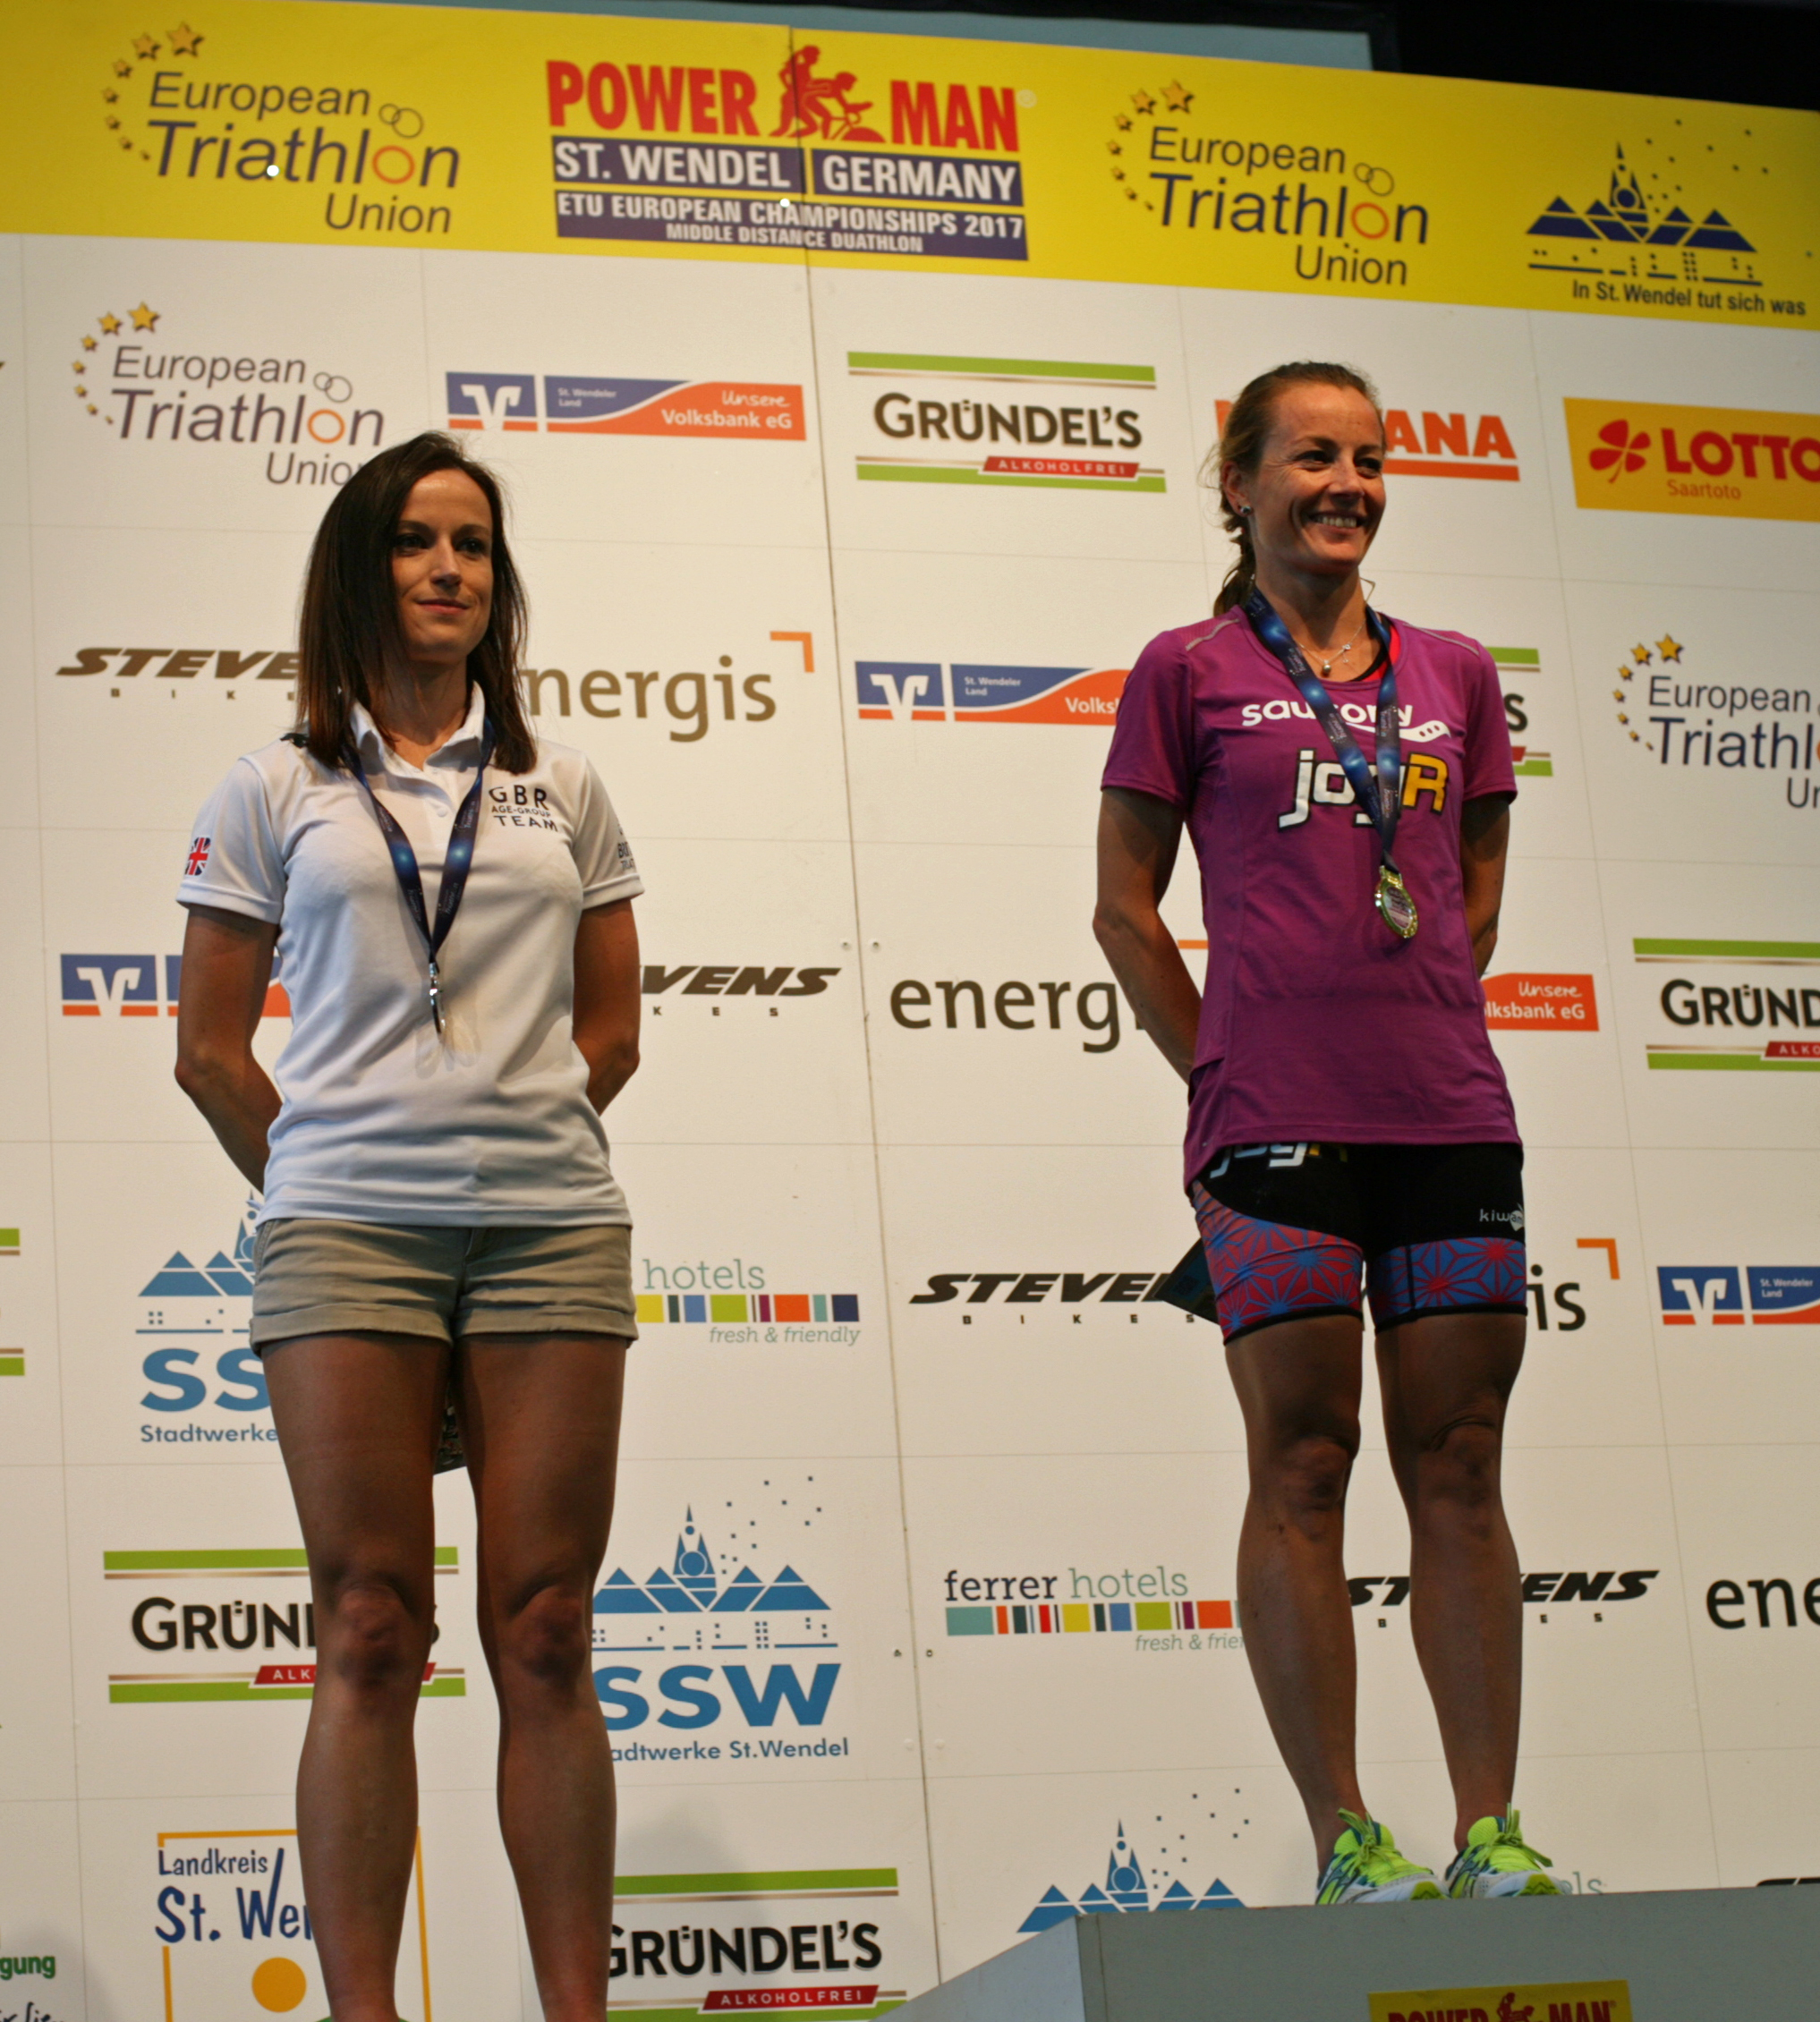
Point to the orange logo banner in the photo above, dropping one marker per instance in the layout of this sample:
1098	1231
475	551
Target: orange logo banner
1556	1004
1641	456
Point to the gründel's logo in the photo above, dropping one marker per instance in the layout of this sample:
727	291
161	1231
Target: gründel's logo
1726	1002
570	404
1644	456
301	416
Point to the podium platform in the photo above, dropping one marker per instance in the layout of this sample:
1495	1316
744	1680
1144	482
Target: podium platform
1698	1954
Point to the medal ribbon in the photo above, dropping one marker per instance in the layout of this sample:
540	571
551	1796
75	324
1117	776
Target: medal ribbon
1381	796
457	862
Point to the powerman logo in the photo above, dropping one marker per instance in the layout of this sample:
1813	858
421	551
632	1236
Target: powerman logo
1715	1295
1127	1892
1645	456
709	1603
966	692
1726	1002
568	405
1017	421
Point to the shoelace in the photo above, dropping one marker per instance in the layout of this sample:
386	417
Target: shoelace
1372	1862
1508	1839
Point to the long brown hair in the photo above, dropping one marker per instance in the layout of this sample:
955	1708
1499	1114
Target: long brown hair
349	623
1242	439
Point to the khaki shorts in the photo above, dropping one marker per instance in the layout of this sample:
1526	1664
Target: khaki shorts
372	1278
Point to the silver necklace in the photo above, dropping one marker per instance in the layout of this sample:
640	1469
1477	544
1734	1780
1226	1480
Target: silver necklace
1326	664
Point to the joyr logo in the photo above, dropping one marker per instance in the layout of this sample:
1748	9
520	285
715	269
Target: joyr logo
730	410
1017	421
1715	1295
1644	456
1702	996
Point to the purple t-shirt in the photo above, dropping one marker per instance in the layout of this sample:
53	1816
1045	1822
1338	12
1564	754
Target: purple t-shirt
1316	1022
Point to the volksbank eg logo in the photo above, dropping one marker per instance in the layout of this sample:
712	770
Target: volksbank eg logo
967	692
699	1605
139	986
572	405
1715	1295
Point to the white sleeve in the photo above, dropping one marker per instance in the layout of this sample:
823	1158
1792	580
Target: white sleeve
235	860
602	854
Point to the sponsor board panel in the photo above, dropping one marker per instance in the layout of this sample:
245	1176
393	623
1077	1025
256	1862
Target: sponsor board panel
980	691
1715	987
1525	630
1545	990
1463	431
33	1421
761	1309
41	1882
704	684
230	385
1017	1354
1606	1645
1701	722
152	674
37	1756
995	1030
1731	1306
14	497
1752	1589
1052	1588
764	1898
195	1910
25	1109
752	1030
675	405
1627	537
954	426
24	808
194	1635
1762	1800
749	1625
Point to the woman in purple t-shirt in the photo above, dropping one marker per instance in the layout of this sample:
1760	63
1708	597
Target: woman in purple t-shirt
1348	1125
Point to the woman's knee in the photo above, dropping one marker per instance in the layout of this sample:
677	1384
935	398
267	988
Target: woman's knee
1460	1462
546	1641
1304	1475
370	1635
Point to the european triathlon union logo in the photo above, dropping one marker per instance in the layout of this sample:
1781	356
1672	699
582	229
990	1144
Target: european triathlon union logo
1126	1893
713	1612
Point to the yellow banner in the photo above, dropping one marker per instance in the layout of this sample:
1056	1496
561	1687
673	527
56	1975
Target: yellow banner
298	122
1558	2001
1641	456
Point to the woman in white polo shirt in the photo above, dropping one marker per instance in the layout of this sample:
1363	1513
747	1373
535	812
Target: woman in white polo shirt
450	901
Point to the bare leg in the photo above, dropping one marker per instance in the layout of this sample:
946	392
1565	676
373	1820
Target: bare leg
1299	1385
356	1416
541	1421
1446	1383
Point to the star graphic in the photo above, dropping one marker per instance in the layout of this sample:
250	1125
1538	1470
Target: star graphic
1641	655
1668	647
1114	148
110	98
111	124
1144	103
121	68
126	143
143	46
94	411
1617	694
109	324
185	41
81	365
88	344
1121	122
1634	738
81	393
144	319
1622	718
1177	99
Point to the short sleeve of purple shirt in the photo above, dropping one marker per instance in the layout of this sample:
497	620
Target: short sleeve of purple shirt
1316	1022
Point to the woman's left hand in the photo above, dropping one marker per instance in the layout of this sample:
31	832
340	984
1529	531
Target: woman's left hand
1484	837
607	979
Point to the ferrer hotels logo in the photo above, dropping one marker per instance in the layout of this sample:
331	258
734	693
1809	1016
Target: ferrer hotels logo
1736	462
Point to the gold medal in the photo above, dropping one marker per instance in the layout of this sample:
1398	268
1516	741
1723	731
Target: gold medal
1393	901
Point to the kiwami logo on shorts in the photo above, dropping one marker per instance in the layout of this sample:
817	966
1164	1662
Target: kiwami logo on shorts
728	409
709	1601
1714	1295
1128	1891
1719	1023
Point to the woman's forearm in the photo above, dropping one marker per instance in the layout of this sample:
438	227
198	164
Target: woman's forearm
239	1104
609	1069
1151	971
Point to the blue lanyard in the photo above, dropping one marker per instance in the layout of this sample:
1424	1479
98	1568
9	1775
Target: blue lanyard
456	862
1382	797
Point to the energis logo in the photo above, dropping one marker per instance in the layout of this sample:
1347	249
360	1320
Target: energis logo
1128	1892
1714	1295
1153	1604
1737	1021
233	1921
692	703
701	1607
206	121
227	1625
969	691
1188	173
129	985
1738	462
703	170
730	410
764	1930
301	416
1521	663
1445	445
1020	421
193	1323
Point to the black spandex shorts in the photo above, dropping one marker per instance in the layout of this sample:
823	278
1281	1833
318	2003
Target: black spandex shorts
1293	1230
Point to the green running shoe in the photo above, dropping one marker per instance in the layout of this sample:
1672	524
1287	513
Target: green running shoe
1365	1868
1495	1861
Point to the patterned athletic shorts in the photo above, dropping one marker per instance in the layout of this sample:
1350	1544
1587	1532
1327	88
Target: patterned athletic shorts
1291	1230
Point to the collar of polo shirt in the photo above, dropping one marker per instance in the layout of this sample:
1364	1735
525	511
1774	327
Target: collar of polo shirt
375	751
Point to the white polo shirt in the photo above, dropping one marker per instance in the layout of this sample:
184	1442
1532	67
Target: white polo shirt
384	1120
